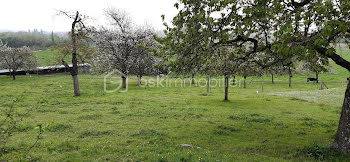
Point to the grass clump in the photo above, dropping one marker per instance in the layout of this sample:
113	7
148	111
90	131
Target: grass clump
321	152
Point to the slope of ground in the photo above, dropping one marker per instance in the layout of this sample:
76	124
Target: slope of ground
150	123
49	58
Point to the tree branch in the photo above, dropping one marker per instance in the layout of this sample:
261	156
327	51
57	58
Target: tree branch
300	4
335	57
239	39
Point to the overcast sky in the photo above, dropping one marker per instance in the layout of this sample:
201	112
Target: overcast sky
42	14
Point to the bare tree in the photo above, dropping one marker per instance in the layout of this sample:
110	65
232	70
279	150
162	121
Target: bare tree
78	34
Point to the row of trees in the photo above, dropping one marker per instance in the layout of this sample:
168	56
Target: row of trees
33	39
120	45
264	33
124	46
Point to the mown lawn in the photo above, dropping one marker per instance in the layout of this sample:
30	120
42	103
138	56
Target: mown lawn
149	124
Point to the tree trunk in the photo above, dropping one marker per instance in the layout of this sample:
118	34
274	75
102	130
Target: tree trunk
316	77
208	84
245	82
74	70
290	81
13	74
193	79
290	77
74	73
342	137
76	85
10	73
234	80
226	87
272	79
139	77
124	82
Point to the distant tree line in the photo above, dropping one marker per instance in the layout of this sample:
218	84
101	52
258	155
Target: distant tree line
33	39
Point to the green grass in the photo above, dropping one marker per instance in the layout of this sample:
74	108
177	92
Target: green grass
149	124
50	57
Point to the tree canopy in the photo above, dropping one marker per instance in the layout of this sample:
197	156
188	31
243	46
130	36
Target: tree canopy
263	33
277	29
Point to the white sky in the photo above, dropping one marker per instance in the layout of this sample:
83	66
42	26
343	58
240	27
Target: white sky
42	14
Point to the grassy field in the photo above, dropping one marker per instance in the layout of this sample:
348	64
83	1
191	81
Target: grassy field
149	124
49	58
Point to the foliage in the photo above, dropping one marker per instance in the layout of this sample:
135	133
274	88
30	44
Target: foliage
17	58
144	60
315	65
124	46
34	39
188	44
85	53
280	31
80	41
